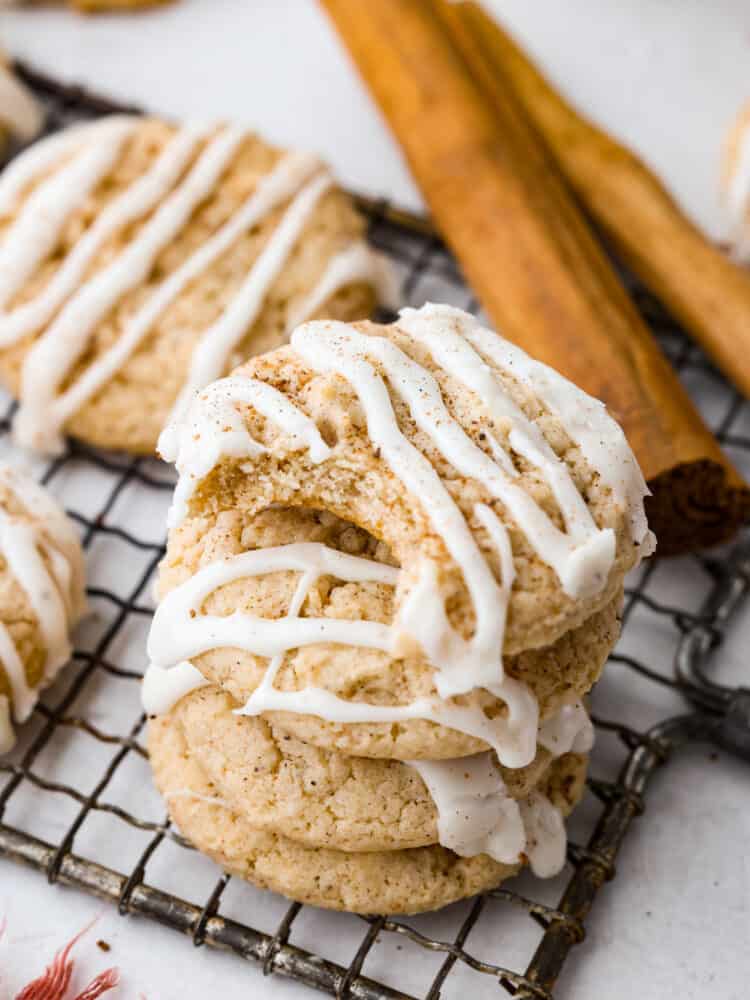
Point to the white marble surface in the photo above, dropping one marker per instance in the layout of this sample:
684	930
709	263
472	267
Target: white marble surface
668	75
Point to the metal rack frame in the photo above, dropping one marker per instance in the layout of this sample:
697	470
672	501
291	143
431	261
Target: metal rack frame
713	713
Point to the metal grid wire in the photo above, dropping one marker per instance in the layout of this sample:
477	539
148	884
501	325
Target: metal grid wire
96	485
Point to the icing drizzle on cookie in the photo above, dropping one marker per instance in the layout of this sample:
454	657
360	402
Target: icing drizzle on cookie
476	815
58	377
585	419
43	555
181	631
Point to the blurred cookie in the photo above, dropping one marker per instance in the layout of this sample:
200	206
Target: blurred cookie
41	595
141	260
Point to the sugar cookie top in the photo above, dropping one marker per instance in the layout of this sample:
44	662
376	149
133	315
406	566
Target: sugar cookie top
506	503
139	261
41	594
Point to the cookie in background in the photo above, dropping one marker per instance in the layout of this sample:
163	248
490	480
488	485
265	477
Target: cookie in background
141	260
42	595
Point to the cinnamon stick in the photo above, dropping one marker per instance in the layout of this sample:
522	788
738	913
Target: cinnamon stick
703	288
532	260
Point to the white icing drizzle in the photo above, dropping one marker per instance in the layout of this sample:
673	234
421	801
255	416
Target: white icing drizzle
18	544
211	353
272	190
585	419
62	343
738	199
213	428
462	665
198	633
39	504
34	234
476	815
19	110
181	631
22	695
546	840
161	689
24	169
513	738
569	731
55	593
134	202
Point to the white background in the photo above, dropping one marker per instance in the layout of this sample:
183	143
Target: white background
668	75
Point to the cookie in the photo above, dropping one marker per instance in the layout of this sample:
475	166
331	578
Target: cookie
555	675
403	881
321	798
484	513
42	595
141	260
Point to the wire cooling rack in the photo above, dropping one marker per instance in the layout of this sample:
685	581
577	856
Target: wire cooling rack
81	770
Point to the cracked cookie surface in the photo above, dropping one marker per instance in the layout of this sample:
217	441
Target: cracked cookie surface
406	881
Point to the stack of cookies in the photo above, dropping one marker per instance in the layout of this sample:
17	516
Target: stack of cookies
394	570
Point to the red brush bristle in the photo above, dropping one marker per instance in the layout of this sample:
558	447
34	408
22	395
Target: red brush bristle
104	981
55	980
